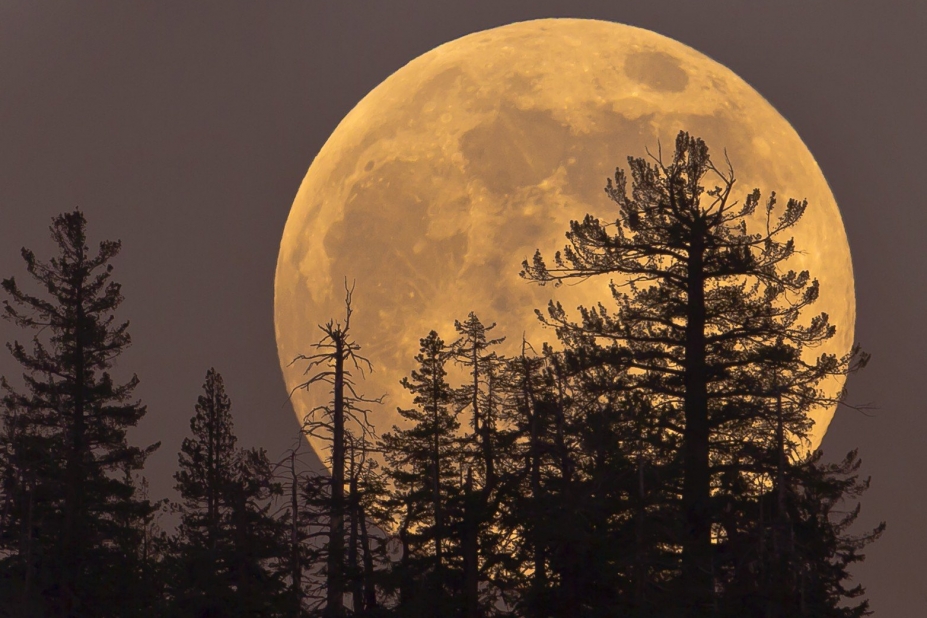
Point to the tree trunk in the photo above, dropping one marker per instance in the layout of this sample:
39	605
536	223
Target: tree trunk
296	567
697	578
357	584
370	590
436	486
29	538
334	607
72	552
471	549
640	574
539	576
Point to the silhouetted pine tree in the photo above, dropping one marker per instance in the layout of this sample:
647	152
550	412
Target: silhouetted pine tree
624	485
259	539
69	499
313	512
789	554
822	547
523	486
202	580
550	519
707	300
223	555
590	508
424	467
482	397
143	545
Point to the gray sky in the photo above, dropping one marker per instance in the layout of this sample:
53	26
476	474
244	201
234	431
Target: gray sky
184	129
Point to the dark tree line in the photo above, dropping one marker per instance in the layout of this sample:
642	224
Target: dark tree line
653	464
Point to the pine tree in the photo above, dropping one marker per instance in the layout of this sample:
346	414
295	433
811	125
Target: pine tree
524	486
549	518
706	302
66	455
423	464
589	505
141	587
258	538
224	553
482	397
366	558
794	545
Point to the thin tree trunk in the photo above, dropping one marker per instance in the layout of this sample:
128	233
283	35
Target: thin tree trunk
296	567
370	591
539	575
436	486
212	472
28	537
334	607
471	549
777	593
357	585
640	576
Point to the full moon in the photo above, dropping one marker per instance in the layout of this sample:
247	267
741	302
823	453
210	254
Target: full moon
435	187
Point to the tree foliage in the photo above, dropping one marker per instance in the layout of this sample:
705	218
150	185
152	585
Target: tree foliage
224	556
709	322
70	498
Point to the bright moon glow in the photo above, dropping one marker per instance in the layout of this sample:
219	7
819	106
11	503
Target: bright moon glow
437	185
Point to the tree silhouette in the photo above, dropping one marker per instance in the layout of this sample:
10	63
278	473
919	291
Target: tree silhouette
331	364
424	467
299	520
67	475
707	311
224	550
481	397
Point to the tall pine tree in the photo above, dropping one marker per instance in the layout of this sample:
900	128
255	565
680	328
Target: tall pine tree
424	468
67	466
708	311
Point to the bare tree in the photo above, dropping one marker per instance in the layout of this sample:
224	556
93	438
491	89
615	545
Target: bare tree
332	364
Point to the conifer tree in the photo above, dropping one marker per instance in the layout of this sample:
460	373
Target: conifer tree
224	552
789	553
366	557
482	398
706	301
587	506
67	464
424	468
258	538
524	486
548	518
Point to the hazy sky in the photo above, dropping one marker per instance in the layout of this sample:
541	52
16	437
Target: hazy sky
184	129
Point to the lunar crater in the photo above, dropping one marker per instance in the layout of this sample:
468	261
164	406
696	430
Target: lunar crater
657	70
515	149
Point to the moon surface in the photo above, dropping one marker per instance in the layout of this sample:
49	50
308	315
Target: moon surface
435	187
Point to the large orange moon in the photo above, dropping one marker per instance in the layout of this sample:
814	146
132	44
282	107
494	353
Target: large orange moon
435	187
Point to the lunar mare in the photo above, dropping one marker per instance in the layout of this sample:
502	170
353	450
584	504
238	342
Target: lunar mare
435	187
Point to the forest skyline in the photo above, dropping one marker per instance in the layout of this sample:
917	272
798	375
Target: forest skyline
656	465
112	144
